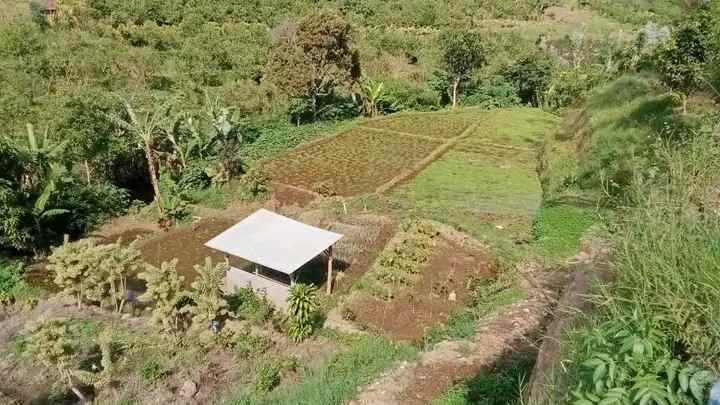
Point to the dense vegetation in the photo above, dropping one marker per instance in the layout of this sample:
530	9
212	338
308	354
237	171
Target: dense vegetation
159	107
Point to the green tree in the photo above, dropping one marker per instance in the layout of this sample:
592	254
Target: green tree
463	54
164	288
302	304
312	60
207	293
681	60
147	128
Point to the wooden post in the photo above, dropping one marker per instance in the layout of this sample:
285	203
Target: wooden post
329	271
257	268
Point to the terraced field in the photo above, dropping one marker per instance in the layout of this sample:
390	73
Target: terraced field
364	159
487	184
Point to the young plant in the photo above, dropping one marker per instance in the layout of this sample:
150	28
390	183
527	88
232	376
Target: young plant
50	342
164	288
302	304
207	293
72	264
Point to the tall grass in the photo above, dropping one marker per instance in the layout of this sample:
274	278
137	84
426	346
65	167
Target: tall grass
669	250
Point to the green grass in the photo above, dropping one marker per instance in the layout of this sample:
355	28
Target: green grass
499	386
338	380
490	191
558	228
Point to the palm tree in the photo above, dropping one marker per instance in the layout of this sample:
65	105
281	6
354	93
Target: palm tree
146	128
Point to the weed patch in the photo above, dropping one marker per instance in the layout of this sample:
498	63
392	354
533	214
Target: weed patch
558	228
337	381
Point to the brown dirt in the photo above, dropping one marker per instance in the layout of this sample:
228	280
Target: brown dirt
289	195
186	244
427	302
423	380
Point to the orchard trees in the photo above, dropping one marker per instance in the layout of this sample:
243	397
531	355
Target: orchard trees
463	54
315	57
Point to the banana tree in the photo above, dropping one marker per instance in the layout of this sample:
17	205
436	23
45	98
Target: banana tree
371	92
146	128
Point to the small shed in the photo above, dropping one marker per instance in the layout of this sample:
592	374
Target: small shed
273	248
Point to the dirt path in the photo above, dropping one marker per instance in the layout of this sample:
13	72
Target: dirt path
423	380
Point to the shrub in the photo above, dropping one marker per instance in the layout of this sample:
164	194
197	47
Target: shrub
248	304
164	288
407	96
256	182
493	93
13	288
207	294
267	376
152	372
302	304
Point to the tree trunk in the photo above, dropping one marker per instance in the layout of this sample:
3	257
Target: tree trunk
87	171
684	104
455	86
154	178
314	107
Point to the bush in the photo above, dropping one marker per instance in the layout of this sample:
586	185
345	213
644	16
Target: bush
249	305
493	93
268	376
152	372
302	304
406	96
13	288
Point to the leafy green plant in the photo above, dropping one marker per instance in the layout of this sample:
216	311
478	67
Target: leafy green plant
152	372
164	289
50	342
267	376
629	361
13	288
207	295
247	303
302	304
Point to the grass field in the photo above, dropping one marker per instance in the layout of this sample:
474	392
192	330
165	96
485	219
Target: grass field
487	185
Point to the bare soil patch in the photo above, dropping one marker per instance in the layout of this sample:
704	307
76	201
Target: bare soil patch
186	244
441	289
355	162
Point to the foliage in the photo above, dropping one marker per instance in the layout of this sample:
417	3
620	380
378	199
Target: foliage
256	182
371	93
51	344
13	288
152	372
206	293
164	289
267	376
302	304
40	201
88	271
248	304
494	93
311	60
680	60
629	361
460	325
531	74
463	53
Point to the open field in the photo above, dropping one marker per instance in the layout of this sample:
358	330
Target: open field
442	125
486	185
361	160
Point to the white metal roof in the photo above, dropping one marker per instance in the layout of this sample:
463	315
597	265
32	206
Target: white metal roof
274	241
